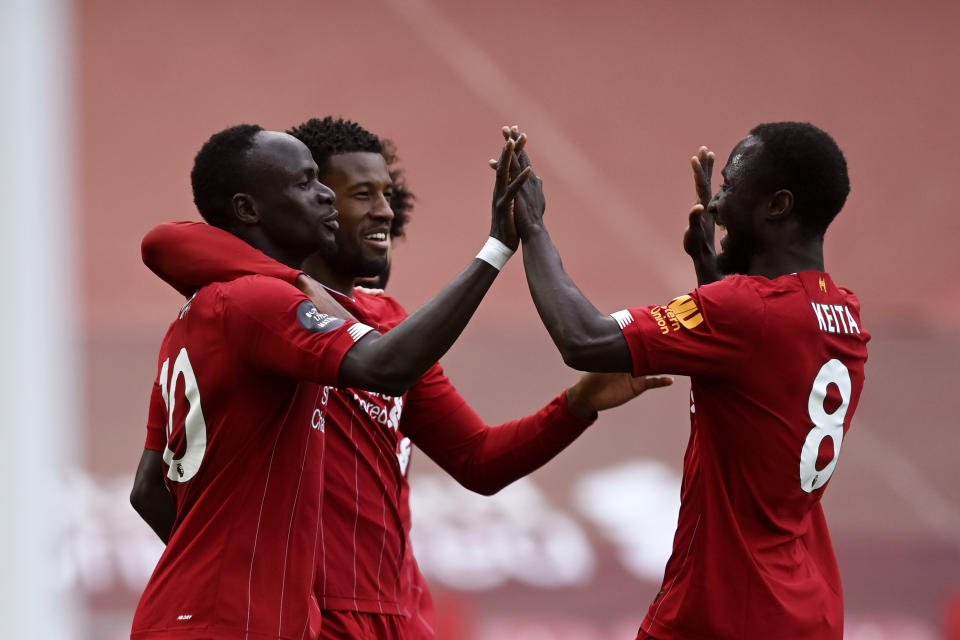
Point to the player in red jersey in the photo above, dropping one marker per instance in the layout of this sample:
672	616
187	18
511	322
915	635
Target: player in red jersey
776	358
242	436
368	581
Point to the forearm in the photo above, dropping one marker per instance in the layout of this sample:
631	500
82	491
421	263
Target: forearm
392	362
189	255
150	497
485	458
158	512
587	339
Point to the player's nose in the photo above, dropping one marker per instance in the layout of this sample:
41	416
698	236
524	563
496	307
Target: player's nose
325	194
382	209
712	205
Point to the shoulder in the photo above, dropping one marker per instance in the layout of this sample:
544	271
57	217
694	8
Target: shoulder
852	299
382	309
256	289
733	297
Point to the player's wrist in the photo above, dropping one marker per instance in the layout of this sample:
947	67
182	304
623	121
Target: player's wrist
578	405
495	253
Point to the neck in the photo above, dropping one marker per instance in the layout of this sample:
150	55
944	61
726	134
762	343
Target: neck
793	258
255	237
321	270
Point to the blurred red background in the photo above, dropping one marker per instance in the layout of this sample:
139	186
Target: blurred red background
615	97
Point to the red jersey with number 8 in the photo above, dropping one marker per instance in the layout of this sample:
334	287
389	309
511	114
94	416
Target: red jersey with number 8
238	410
776	371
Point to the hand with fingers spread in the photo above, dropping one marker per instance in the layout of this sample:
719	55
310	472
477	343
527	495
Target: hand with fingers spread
596	392
508	183
698	239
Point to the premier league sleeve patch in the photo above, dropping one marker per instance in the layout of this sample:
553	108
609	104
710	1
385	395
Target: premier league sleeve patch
312	320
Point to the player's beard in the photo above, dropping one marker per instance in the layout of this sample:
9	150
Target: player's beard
358	265
376	282
737	253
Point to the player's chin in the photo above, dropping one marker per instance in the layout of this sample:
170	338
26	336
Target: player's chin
327	244
372	266
731	263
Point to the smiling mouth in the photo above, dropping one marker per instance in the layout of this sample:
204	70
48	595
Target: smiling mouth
380	239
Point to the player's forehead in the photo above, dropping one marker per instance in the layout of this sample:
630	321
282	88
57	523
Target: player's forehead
742	158
359	167
279	152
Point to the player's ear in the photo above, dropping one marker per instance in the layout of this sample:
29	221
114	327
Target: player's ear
781	204
244	208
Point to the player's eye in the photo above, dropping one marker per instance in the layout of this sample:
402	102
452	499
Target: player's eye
363	195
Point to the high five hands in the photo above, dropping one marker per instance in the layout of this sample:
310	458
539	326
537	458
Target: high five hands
508	183
529	204
594	392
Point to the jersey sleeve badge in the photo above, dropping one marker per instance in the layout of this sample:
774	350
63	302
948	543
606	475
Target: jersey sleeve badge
312	320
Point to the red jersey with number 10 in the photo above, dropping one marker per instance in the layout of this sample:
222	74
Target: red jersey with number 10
776	371
238	411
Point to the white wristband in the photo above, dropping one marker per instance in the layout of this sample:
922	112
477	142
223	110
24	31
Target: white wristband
495	253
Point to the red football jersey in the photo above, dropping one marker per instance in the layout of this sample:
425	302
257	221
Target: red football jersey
365	562
776	371
238	410
368	564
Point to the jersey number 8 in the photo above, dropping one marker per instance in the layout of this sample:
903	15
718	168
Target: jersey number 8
195	427
826	425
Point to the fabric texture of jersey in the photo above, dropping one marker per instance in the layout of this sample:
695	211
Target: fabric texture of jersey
374	570
365	562
777	368
238	410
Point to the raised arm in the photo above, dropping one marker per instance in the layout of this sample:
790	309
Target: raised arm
588	340
397	359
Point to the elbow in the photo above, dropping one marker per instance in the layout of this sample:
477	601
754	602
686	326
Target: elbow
597	347
481	486
386	379
139	498
391	378
575	359
371	366
578	354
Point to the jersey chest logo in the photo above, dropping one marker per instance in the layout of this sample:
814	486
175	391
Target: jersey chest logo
382	409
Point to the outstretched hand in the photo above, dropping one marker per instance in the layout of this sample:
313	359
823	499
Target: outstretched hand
698	239
508	183
595	392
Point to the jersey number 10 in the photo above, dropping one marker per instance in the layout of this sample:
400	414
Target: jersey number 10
194	426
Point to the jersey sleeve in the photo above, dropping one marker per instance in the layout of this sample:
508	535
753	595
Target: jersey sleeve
156	421
188	255
711	332
481	457
280	330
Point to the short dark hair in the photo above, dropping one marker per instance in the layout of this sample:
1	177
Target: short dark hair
806	160
220	171
329	137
